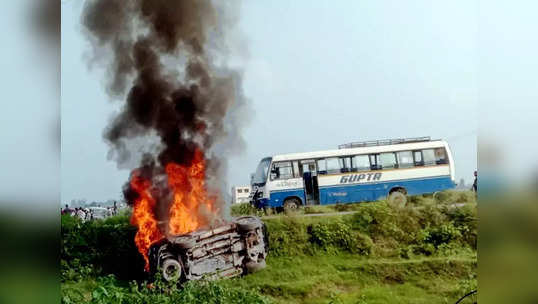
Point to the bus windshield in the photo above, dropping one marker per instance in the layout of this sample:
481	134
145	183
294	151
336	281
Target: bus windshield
260	176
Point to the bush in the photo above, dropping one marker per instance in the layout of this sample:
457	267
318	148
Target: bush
426	229
466	221
419	200
288	236
440	235
245	209
107	246
365	244
455	197
377	220
332	236
110	290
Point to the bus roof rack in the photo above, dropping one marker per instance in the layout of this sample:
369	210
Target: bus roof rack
384	142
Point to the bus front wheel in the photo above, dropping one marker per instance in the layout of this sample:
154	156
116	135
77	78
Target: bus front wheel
397	198
291	204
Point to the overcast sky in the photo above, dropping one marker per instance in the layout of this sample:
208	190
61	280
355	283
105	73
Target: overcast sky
318	74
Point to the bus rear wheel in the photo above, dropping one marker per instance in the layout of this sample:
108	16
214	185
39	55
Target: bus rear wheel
291	204
397	198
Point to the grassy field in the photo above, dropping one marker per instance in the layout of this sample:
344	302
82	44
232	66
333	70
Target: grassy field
345	278
348	278
423	253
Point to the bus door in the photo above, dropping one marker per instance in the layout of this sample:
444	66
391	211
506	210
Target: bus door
310	179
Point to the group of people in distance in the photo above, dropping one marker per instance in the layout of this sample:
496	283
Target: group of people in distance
87	214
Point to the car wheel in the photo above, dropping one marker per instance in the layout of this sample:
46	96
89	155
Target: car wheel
291	204
254	267
171	270
397	198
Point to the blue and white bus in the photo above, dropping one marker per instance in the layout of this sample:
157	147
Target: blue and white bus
355	172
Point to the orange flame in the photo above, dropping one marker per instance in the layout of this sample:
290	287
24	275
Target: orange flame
144	217
192	208
192	205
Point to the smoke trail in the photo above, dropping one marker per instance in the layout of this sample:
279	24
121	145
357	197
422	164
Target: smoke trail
166	62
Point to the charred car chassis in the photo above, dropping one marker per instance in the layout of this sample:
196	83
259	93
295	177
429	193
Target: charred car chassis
232	249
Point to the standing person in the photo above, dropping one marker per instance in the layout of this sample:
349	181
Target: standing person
68	210
115	208
475	183
81	214
87	214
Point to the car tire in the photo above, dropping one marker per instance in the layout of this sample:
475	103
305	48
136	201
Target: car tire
252	266
171	270
291	204
247	223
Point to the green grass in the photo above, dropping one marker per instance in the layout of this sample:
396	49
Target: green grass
348	278
341	278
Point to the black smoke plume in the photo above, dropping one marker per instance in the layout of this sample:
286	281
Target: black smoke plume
166	62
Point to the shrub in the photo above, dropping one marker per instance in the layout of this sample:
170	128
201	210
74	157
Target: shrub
332	236
377	220
465	220
107	246
364	244
443	234
455	197
288	236
424	229
245	209
109	290
419	200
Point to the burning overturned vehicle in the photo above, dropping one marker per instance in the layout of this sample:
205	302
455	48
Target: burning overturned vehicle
229	250
182	233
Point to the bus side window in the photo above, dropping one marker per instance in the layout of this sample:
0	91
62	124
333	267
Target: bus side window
440	156
333	165
375	163
405	159
428	157
345	164
417	156
296	172
322	166
281	170
360	163
388	160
